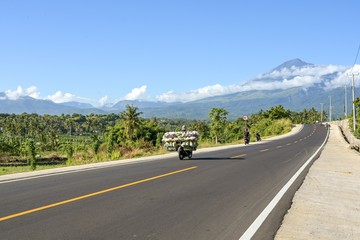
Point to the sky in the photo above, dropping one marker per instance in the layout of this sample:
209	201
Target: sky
101	52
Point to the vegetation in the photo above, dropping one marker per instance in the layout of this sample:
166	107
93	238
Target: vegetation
357	106
35	141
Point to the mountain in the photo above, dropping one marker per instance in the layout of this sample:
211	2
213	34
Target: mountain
249	102
140	104
77	105
295	84
294	63
32	105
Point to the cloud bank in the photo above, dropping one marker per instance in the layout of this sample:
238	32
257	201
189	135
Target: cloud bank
60	97
136	93
328	77
20	92
208	91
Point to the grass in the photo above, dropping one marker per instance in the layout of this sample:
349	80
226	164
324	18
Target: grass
20	169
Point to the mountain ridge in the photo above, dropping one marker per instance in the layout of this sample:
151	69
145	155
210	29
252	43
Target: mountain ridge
238	103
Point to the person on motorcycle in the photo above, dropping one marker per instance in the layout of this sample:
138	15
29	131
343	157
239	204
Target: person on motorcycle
246	136
183	128
258	138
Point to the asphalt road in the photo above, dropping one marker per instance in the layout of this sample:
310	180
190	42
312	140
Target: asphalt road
215	195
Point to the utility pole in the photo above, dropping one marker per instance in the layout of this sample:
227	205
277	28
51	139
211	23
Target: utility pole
353	98
345	107
330	110
321	104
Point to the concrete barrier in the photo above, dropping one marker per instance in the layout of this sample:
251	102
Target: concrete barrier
349	137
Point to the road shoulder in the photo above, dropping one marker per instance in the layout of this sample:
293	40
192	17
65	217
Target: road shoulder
327	204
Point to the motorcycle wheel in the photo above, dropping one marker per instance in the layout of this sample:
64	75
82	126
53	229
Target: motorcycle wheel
181	154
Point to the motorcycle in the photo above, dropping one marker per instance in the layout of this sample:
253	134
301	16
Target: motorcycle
258	138
246	140
184	153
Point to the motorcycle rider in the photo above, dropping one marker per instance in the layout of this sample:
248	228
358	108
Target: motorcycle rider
258	138
183	128
246	136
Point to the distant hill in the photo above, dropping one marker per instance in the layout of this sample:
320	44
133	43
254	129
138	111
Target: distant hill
77	105
140	104
237	104
32	105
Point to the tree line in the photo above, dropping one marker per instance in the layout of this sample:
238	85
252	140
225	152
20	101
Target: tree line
81	139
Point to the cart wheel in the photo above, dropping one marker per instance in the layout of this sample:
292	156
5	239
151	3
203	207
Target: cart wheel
181	153
189	153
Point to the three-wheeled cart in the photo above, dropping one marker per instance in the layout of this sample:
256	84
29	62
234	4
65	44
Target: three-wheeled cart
182	142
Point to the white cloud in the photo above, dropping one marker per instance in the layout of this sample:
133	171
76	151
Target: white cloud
136	93
300	77
59	97
345	77
103	101
20	92
312	70
208	91
284	79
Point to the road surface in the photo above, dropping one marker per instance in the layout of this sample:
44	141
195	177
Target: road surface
215	195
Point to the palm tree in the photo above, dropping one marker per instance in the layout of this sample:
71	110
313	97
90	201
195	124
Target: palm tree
132	121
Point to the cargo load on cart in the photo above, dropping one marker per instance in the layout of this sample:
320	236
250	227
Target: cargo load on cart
184	142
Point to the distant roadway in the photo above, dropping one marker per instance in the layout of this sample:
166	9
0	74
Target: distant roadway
215	195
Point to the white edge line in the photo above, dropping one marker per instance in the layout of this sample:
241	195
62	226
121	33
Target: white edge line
250	232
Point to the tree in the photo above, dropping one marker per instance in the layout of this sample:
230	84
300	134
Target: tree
218	122
278	112
132	122
202	127
96	143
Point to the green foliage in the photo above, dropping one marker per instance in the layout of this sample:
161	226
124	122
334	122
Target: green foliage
31	150
278	112
69	149
131	121
357	106
278	126
218	122
307	116
84	139
96	143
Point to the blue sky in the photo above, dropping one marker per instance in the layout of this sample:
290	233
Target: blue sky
107	51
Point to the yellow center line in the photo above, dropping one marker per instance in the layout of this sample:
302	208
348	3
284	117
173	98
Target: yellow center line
264	150
295	141
279	146
238	156
92	194
288	144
